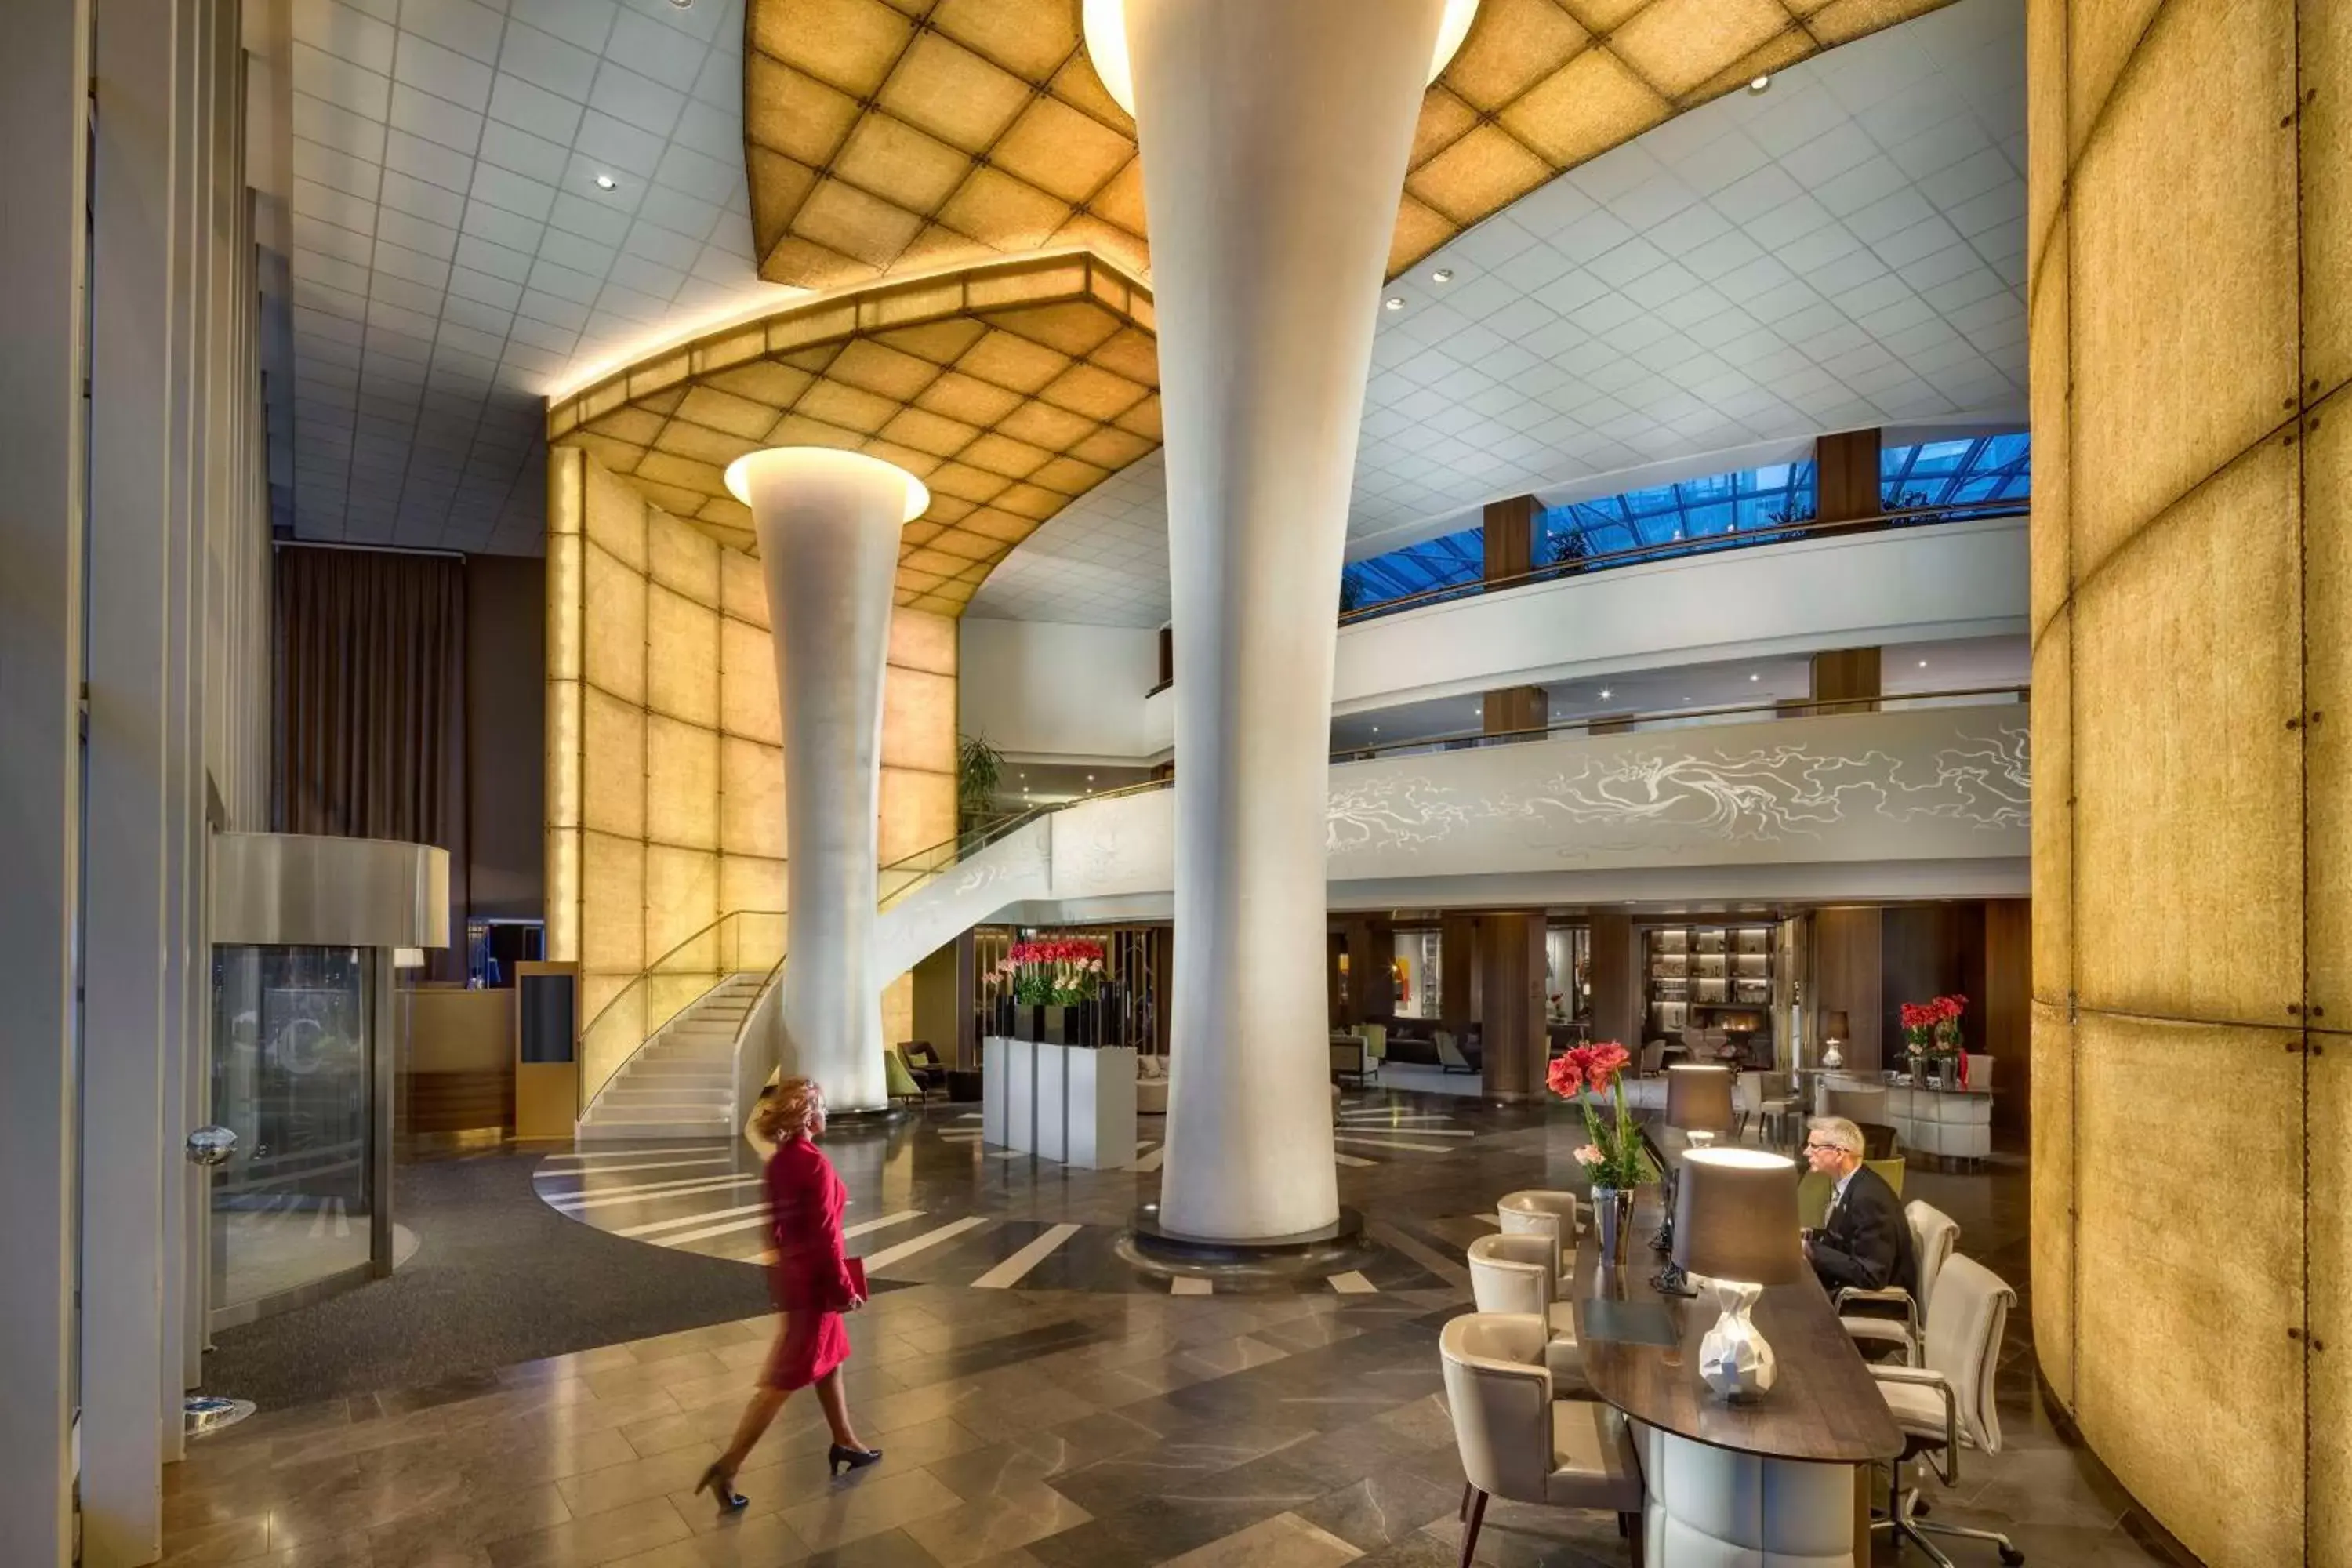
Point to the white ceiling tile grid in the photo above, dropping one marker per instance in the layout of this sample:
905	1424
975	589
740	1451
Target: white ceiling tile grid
1844	249
454	254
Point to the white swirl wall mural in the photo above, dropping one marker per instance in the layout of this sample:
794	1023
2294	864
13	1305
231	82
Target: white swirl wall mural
1803	788
1922	784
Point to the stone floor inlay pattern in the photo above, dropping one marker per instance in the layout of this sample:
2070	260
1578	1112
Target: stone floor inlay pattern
1039	1400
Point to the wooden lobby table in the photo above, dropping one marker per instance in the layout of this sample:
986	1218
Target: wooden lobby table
1773	1464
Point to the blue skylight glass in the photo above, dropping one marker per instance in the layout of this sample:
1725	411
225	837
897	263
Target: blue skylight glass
1719	507
1444	562
1719	504
1942	473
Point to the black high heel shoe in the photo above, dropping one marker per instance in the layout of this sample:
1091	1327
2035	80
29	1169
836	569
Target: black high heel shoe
720	1484
839	1458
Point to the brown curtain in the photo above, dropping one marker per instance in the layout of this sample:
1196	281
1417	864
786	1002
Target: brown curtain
368	731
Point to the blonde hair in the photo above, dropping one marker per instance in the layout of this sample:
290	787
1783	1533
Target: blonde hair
789	1108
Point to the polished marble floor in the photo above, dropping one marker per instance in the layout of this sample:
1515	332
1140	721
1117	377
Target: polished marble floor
1041	1397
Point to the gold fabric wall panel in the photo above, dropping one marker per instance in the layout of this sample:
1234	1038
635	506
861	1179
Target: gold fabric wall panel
2326	166
918	812
747	685
751	801
680	908
670	760
2051	1224
749	882
614	651
612	901
2189	1291
2052	743
918	712
613	795
2191	337
682	782
2330	1222
2050	526
2328	742
2045	134
682	654
2153	412
2188	784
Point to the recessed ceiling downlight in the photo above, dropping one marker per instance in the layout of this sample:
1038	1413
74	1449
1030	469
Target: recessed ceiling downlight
605	182
1393	302
1759	84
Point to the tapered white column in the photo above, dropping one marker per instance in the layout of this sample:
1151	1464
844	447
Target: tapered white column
1274	138
828	523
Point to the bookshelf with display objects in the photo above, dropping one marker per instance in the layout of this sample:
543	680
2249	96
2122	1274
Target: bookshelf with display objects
1703	981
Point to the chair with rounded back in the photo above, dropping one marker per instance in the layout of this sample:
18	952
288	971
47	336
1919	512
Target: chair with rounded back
1539	1212
1934	1234
1947	1404
1520	1442
1814	1190
1514	1275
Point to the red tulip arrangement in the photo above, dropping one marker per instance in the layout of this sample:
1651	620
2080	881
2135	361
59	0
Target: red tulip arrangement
1054	973
1593	1076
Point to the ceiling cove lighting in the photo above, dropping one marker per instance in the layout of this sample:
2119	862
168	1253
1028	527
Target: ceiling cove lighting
605	182
1105	29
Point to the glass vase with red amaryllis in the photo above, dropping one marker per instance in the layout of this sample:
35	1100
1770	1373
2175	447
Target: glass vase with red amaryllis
1593	1077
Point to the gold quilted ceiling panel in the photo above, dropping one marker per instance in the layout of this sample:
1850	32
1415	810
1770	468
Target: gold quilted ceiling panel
890	135
1009	388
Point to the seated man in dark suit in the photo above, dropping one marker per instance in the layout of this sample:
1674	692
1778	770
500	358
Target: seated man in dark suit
1866	1241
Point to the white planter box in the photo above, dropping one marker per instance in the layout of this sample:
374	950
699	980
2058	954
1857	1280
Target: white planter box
1020	1060
1059	1102
1053	1090
993	1051
1100	1108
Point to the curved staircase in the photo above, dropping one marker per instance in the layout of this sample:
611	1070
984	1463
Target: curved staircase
682	1083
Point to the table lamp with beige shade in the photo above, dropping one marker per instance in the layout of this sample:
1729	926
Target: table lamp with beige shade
1698	1104
1698	1101
1736	1228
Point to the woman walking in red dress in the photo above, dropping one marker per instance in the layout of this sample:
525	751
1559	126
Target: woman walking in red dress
812	1284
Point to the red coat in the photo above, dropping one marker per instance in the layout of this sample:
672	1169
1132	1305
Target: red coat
810	1279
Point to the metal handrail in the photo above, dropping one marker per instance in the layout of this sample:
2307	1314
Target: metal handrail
1772	534
654	970
972	841
1789	707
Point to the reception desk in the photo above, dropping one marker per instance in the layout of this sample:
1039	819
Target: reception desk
1953	1124
1784	1478
1071	1103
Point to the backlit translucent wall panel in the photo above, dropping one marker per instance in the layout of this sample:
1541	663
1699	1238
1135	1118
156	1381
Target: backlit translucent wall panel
665	777
2190	293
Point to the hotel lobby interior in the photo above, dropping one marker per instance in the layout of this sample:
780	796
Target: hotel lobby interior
1308	782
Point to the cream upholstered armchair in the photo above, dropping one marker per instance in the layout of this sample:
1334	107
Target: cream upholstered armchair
1517	1275
1947	1404
1934	1234
1519	1443
1539	1212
